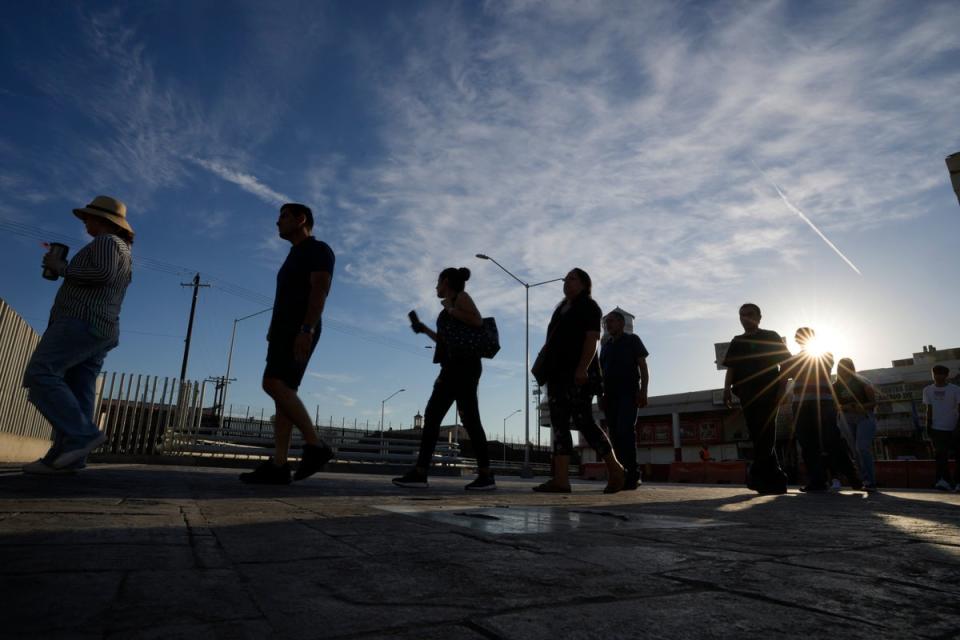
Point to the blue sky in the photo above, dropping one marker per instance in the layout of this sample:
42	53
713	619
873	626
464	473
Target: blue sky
639	141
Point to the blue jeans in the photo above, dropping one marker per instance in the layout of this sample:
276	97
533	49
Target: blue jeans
864	429
62	378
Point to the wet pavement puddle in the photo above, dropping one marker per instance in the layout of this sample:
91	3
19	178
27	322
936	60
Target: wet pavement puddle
539	520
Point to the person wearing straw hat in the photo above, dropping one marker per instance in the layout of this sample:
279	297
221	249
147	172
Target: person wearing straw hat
84	325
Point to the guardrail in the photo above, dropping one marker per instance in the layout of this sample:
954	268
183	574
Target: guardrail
17	341
145	415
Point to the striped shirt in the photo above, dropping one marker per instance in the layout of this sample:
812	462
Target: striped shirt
94	284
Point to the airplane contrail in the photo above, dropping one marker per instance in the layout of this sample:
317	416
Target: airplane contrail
803	217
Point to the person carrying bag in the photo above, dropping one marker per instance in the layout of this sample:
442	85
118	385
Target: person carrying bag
460	346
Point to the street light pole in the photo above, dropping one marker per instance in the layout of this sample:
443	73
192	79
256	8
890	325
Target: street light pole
383	404
226	378
505	434
526	472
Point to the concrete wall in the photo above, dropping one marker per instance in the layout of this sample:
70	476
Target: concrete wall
21	448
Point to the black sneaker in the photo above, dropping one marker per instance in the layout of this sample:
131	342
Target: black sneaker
814	488
772	490
412	479
482	483
313	458
632	482
267	473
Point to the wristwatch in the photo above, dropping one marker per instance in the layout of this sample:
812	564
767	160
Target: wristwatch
306	328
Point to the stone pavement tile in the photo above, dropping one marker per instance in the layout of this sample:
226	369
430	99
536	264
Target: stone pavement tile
857	597
48	604
377	524
279	542
92	528
683	616
428	545
94	633
427	632
495	579
300	602
255	629
51	558
931	566
625	553
149	598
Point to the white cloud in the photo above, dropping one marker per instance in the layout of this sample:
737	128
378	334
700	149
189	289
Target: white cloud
334	377
245	181
628	153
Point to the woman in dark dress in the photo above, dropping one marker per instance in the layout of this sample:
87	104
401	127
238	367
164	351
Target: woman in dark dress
570	367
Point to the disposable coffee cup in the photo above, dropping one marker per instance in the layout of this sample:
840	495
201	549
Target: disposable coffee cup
59	251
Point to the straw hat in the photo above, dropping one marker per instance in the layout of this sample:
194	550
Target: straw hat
108	208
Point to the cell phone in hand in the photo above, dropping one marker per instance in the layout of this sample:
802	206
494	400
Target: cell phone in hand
414	321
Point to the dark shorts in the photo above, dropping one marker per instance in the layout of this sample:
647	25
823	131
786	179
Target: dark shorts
280	362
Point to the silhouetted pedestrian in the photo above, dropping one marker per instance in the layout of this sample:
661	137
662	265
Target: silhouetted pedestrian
84	325
753	373
568	364
815	416
623	360
857	399
303	284
460	369
942	403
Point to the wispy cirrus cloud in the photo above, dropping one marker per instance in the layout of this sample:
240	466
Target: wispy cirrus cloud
629	154
245	181
334	377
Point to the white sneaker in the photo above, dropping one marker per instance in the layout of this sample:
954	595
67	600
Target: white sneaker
942	485
835	486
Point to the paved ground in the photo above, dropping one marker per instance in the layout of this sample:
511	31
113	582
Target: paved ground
157	552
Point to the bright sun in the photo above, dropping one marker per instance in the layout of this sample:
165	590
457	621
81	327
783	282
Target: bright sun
828	339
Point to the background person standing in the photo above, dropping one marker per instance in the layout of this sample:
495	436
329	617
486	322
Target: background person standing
815	416
303	284
623	360
942	403
857	399
84	326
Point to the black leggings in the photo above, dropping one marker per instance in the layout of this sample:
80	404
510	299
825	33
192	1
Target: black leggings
458	382
573	402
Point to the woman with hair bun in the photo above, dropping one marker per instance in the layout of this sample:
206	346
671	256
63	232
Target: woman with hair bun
458	380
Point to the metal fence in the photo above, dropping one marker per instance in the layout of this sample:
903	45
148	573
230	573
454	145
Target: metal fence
146	415
17	341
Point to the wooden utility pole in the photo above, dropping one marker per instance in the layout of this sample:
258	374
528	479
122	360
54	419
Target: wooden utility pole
193	308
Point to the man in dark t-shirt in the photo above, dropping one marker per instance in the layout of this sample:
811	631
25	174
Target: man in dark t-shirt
303	284
753	374
623	360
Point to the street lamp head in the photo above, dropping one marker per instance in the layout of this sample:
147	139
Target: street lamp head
483	257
